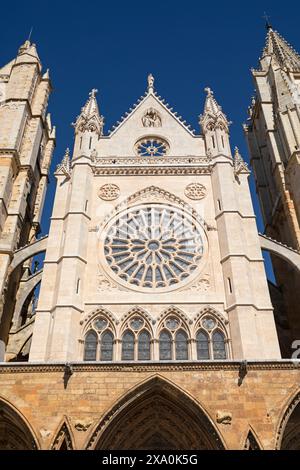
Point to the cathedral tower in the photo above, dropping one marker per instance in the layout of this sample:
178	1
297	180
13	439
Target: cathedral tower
27	139
273	135
153	251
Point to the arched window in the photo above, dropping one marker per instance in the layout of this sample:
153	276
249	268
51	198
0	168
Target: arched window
219	350
210	339
144	346
106	346
202	346
90	346
181	346
128	346
165	346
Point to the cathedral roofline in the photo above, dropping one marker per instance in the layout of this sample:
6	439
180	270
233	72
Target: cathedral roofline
151	92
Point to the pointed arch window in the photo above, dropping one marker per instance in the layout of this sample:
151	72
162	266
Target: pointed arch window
128	346
136	339
181	346
173	340
90	346
144	346
99	341
165	346
106	346
202	345
211	339
219	350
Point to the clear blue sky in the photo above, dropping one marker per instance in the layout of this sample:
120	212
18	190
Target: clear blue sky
113	46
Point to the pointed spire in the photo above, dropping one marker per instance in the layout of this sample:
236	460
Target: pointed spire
65	166
89	118
239	165
278	48
211	104
213	115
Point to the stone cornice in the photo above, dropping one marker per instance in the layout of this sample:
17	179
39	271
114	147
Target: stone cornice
153	171
17	368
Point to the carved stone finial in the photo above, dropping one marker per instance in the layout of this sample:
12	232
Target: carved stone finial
239	165
65	165
208	91
150	82
93	92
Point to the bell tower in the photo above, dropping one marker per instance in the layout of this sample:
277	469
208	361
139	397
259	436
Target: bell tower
273	136
27	140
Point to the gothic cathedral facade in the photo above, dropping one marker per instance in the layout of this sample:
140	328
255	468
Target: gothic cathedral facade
154	327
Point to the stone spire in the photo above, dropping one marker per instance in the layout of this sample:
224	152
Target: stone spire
279	49
213	115
215	127
65	166
239	165
90	118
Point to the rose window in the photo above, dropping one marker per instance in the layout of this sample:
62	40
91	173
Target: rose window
152	147
154	246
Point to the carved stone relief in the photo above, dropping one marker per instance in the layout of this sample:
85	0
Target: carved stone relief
195	191
151	118
109	192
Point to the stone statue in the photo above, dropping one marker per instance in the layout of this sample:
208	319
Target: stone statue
150	81
151	118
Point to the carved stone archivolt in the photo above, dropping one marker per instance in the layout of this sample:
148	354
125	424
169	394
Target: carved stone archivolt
109	192
156	415
151	118
195	191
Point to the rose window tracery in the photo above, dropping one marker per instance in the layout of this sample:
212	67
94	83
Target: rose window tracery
153	247
152	147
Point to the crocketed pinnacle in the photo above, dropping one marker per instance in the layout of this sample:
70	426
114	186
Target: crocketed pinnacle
284	54
211	105
89	118
91	106
213	115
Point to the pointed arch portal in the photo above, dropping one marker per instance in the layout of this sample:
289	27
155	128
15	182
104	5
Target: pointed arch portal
14	432
156	416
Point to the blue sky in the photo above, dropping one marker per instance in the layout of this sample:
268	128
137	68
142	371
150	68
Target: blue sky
113	46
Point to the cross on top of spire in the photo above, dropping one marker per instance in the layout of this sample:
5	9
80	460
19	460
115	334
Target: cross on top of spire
93	92
268	24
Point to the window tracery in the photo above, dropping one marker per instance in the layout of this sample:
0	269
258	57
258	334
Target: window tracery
152	147
173	340
211	340
136	340
153	246
99	341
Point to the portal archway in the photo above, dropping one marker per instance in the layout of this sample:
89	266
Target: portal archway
156	416
289	431
14	432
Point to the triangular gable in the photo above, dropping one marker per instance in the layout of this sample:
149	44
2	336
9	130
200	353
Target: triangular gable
152	97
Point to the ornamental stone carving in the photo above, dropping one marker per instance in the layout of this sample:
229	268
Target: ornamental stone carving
82	425
224	417
109	192
151	118
195	191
